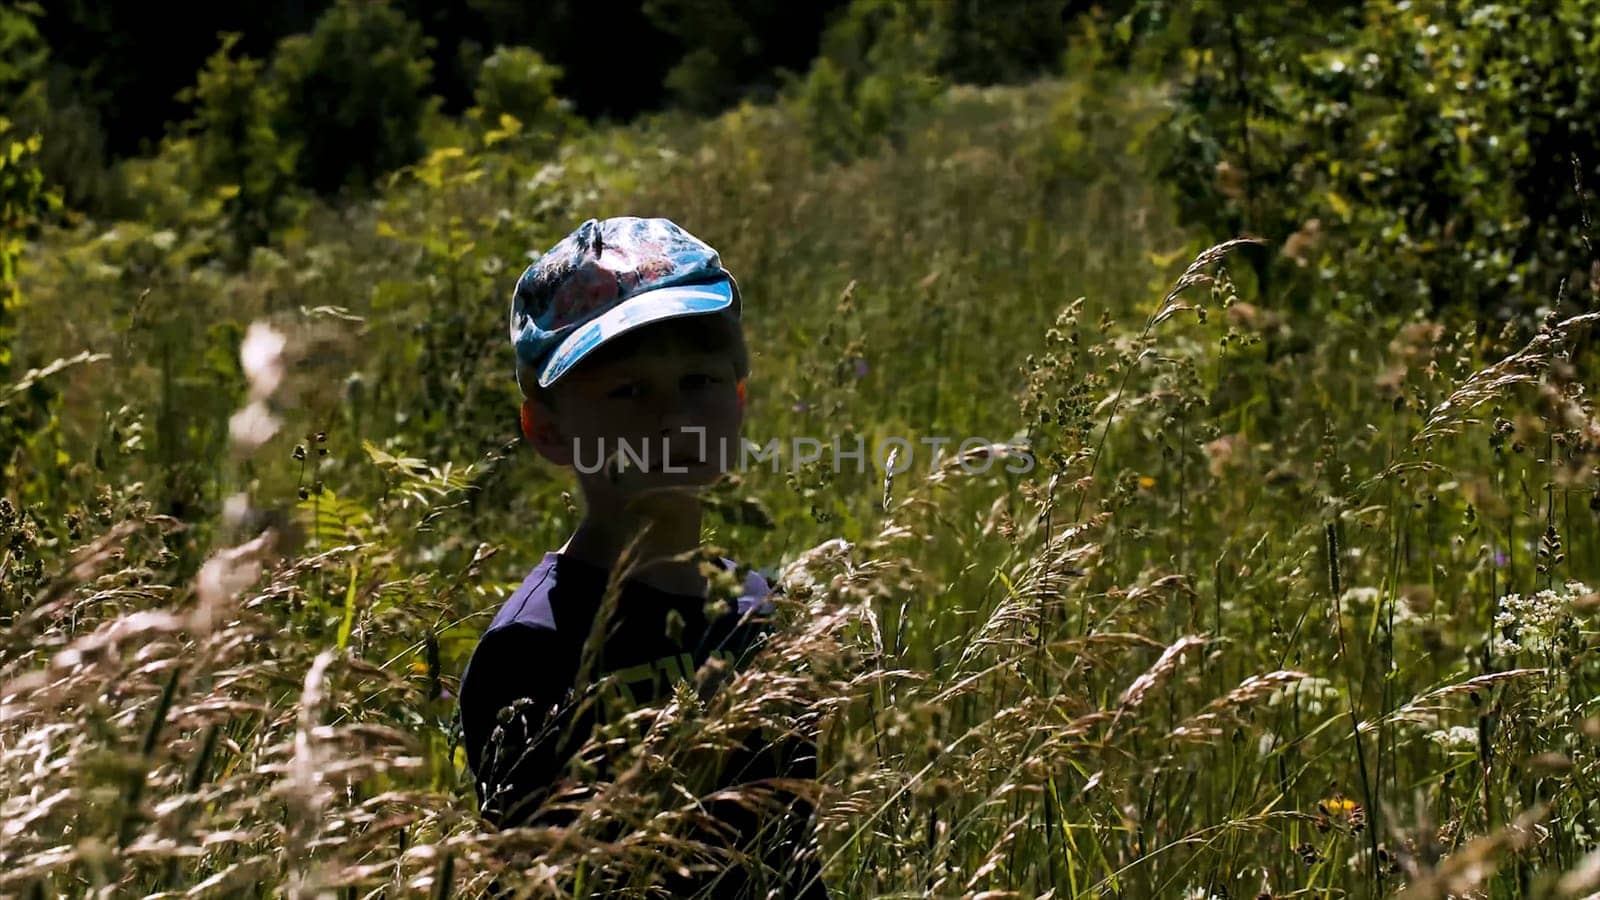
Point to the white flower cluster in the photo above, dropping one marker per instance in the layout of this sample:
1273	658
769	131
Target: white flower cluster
1311	694
1360	596
1456	737
1359	601
1535	623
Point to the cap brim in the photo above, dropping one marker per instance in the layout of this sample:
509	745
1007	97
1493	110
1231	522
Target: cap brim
651	306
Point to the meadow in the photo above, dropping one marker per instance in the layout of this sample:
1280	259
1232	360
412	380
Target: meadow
1296	599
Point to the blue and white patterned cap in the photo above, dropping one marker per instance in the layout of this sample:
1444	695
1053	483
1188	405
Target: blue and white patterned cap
605	279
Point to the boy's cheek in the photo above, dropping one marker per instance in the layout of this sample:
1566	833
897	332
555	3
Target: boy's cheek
727	410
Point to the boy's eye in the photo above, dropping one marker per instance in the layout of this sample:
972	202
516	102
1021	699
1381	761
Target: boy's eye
700	380
624	391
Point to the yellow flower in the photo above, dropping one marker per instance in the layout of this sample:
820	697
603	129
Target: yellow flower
1146	482
1338	806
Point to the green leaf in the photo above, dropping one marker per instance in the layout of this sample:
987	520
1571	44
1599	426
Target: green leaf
349	608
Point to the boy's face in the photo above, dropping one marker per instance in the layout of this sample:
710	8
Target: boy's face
672	401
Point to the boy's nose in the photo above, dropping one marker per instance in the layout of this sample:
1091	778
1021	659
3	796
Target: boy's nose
674	412
672	426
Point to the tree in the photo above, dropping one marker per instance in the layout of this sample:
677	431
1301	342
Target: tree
238	149
22	55
732	50
516	81
1425	151
353	95
878	68
986	44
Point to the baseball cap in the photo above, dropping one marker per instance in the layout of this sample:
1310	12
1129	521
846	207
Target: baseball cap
605	279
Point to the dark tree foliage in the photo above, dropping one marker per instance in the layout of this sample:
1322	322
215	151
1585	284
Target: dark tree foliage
1005	42
734	49
123	67
130	61
353	95
1445	150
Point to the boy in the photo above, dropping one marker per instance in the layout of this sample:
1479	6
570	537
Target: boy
629	345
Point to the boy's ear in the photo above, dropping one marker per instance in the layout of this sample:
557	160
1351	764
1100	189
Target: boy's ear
529	422
541	432
739	389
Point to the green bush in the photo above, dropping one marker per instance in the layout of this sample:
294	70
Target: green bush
353	95
1250	614
22	51
45	98
239	152
517	82
877	72
21	200
735	51
25	404
73	156
982	46
1432	147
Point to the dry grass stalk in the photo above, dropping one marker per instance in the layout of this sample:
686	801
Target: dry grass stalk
1141	687
1204	724
1469	868
1425	706
1136	692
1525	366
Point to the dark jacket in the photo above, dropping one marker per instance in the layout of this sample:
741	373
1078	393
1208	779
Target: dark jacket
524	713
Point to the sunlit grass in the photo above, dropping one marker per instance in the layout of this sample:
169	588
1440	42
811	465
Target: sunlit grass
1240	630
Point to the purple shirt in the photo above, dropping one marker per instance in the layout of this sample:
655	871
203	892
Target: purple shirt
525	712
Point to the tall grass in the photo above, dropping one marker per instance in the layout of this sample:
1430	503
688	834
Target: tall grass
1293	603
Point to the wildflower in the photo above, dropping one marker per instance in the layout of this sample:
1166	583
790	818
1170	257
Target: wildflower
1343	810
1299	245
1535	624
1310	694
1360	596
1222	452
1359	602
1230	180
252	426
261	357
1338	806
1457	738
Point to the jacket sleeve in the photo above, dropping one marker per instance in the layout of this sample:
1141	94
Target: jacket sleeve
780	835
516	723
783	837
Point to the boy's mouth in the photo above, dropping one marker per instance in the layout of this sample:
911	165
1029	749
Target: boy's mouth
685	456
664	456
